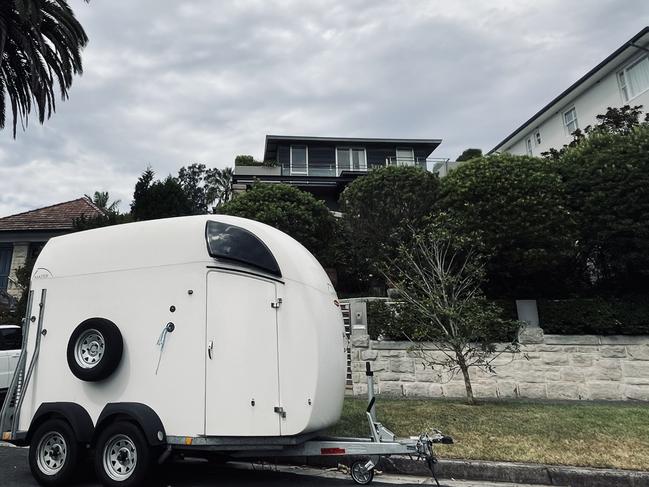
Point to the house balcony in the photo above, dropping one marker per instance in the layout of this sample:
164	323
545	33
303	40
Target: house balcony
331	170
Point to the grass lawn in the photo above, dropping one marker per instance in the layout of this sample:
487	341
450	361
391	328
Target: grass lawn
583	434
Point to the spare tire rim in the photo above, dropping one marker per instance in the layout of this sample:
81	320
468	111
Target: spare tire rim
52	451
89	348
120	457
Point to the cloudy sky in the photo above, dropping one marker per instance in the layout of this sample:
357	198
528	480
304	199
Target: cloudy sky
171	82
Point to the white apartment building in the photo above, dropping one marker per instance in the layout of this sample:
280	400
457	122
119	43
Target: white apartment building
622	78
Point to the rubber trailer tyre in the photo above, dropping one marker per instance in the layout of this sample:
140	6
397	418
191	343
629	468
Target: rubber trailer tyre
95	349
54	453
122	456
360	474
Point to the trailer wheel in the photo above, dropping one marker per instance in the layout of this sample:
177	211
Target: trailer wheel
95	349
122	456
54	453
360	474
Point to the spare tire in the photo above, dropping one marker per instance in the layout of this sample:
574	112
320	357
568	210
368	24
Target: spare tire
95	349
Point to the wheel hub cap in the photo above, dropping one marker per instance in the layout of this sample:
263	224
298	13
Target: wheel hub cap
89	348
51	453
119	457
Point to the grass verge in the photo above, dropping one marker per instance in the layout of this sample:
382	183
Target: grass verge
610	435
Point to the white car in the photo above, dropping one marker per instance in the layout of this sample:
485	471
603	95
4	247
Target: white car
10	343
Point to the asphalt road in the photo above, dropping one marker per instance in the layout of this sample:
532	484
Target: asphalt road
14	471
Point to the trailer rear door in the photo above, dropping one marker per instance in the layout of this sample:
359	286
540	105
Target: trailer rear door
242	381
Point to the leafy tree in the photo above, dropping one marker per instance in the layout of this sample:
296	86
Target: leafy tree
469	154
290	210
439	284
517	207
607	183
618	120
192	179
98	221
40	50
380	209
206	187
23	276
159	199
615	121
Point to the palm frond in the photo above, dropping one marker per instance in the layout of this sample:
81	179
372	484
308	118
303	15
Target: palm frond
40	48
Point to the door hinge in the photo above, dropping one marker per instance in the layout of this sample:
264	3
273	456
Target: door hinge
276	304
280	410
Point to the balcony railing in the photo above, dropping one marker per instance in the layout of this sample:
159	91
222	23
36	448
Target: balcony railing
406	161
329	169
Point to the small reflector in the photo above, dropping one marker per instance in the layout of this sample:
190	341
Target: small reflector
188	440
332	451
6	435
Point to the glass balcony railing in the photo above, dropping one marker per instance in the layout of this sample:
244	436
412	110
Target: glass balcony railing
406	161
329	169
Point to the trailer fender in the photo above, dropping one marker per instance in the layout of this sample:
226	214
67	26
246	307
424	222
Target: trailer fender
76	416
145	417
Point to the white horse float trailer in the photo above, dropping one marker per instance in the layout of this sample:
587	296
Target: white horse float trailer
203	335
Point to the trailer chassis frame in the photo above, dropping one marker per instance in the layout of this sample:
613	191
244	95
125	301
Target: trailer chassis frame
381	443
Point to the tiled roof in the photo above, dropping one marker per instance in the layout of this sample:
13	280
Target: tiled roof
56	217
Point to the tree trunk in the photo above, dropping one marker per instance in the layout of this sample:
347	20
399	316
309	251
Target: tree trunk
467	379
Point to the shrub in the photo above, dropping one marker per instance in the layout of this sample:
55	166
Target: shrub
246	160
379	318
516	206
391	321
596	316
292	211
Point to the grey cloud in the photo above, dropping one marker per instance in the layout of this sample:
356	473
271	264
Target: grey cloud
167	83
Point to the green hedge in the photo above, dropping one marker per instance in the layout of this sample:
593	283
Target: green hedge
383	320
597	316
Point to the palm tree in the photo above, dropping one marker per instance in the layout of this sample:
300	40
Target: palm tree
218	183
40	47
101	200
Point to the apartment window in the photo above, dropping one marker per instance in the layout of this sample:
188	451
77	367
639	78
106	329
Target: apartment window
570	120
634	79
299	159
350	159
528	145
537	136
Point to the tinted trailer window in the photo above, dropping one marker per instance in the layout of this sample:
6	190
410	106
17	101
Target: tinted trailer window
237	244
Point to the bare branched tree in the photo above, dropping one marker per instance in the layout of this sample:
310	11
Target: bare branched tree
455	326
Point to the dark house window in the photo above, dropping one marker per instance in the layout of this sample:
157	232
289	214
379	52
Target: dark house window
236	244
299	159
6	251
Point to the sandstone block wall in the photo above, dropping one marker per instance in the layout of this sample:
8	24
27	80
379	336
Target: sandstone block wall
558	367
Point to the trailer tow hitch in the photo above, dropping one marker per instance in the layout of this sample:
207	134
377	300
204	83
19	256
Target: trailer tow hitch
425	449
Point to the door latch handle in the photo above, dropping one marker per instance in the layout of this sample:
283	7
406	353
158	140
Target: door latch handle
210	349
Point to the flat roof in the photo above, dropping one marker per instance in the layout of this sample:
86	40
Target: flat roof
630	44
270	148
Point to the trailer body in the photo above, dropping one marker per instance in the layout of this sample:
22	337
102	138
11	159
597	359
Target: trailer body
255	351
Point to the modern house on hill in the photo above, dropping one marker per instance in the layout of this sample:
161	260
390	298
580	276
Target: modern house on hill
620	79
22	236
323	166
